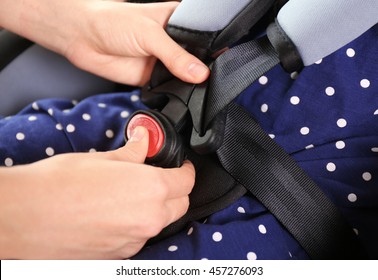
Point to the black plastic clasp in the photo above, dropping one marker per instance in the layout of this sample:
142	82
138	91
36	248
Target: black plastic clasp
212	138
204	140
183	105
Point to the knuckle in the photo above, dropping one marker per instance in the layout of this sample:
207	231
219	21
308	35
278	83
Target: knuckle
154	230
161	187
191	181
154	226
184	207
143	228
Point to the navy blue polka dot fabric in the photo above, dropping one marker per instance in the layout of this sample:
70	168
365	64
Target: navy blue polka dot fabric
325	117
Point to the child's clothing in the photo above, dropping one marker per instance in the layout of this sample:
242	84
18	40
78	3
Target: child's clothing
326	117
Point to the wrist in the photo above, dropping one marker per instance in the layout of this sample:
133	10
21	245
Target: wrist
52	24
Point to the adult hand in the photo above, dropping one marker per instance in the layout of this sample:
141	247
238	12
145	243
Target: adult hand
102	205
114	39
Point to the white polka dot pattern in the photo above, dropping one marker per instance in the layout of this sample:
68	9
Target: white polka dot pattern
325	116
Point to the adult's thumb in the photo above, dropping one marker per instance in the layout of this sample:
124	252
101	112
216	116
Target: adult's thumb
136	147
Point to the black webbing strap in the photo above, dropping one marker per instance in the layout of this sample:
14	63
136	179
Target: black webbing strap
275	179
235	70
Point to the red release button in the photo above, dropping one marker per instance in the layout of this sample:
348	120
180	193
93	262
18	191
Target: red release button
156	135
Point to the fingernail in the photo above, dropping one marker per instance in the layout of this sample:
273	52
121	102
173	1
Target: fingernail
137	134
197	70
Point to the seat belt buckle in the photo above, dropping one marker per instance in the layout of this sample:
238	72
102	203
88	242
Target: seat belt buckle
165	146
176	114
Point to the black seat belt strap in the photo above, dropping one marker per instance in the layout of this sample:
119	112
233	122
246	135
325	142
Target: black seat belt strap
235	70
274	178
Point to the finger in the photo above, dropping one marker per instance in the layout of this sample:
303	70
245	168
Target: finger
179	181
136	148
134	71
179	62
176	208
